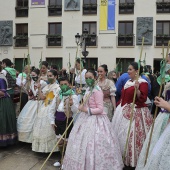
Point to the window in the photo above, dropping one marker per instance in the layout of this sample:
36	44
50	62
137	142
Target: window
54	36
91	28
55	61
125	34
89	7
21	8
55	8
21	38
162	33
123	64
163	6
92	63
126	6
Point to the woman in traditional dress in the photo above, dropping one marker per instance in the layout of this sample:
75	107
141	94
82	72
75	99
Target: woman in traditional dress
44	137
141	120
44	70
80	82
160	125
159	153
112	75
92	144
8	131
108	89
22	82
28	114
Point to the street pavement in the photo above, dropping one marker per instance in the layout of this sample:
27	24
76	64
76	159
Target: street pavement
21	157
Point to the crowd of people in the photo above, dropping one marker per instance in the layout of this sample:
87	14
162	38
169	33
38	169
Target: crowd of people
107	133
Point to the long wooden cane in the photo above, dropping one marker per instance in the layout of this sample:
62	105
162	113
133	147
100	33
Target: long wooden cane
38	98
74	67
65	138
133	105
67	113
156	110
21	82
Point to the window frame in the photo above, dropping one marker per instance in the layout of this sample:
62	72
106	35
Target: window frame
54	39
21	38
89	7
162	38
125	6
22	10
88	42
163	7
54	10
126	39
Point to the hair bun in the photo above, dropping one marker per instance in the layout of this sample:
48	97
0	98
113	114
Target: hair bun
104	67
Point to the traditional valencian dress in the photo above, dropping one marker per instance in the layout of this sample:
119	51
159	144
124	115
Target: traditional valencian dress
26	119
109	90
8	131
22	78
92	144
160	155
159	151
44	137
141	121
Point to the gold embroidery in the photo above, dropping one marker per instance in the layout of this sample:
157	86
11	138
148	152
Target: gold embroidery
49	98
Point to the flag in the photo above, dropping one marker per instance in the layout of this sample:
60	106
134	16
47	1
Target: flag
107	15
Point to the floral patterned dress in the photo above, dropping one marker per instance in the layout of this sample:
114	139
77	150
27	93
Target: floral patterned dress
44	137
141	121
92	145
156	162
109	90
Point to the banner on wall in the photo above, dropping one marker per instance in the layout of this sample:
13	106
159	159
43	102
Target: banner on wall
107	15
37	2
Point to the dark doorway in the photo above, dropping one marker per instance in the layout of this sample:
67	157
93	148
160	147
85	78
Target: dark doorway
19	64
55	61
156	65
91	63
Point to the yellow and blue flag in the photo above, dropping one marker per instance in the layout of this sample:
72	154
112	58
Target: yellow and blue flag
107	15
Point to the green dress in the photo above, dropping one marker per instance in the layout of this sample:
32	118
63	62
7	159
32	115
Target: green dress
8	131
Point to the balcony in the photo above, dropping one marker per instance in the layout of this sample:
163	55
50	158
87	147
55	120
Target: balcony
21	41
126	40
54	40
162	40
89	9
21	11
126	8
163	7
55	10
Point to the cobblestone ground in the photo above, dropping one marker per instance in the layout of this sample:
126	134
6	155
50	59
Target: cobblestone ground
21	157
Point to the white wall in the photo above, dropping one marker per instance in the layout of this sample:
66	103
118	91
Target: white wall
107	51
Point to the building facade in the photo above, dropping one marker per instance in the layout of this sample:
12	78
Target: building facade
47	28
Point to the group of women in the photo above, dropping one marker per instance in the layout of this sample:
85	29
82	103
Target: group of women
99	135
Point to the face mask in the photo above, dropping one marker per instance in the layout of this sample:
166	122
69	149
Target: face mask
51	80
35	78
64	88
90	82
115	80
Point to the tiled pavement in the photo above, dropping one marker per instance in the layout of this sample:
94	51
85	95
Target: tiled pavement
21	157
